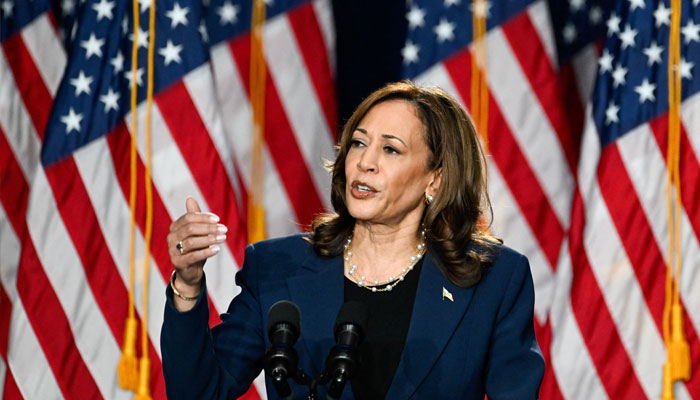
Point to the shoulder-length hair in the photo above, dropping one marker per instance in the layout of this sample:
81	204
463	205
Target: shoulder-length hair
454	222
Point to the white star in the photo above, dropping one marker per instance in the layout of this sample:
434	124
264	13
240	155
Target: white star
653	53
203	32
627	36
142	38
130	78
67	6
92	46
171	52
104	9
481	8
646	91
696	2
415	17
444	30
605	61
145	5
117	62
595	15
576	5
125	26
72	120
410	52
451	2
691	32
110	99
686	69
228	13
569	32
613	24
177	15
7	8
611	113
662	15
81	83
619	75
635	4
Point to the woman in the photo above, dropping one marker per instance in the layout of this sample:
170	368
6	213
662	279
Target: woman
451	309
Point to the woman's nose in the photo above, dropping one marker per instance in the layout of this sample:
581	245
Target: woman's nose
368	160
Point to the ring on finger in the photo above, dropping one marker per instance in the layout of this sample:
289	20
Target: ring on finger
180	248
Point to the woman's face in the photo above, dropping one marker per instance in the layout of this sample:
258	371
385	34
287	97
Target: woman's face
386	166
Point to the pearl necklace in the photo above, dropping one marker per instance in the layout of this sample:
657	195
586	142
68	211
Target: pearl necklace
392	281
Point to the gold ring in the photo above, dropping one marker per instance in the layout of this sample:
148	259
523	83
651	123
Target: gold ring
180	248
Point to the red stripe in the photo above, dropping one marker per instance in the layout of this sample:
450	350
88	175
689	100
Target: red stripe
594	320
119	142
10	391
549	388
40	302
191	135
640	245
514	167
281	142
79	218
30	84
312	47
556	92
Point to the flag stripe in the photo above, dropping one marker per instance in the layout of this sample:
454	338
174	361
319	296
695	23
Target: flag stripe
29	83
46	50
281	143
514	167
309	42
555	92
594	320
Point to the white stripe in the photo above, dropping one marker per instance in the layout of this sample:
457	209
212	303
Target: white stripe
200	87
586	71
15	122
32	374
575	372
296	92
625	301
47	51
647	170
174	182
94	163
529	125
324	16
63	267
541	20
236	114
259	383
690	116
590	149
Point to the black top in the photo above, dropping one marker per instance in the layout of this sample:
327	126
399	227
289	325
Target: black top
387	328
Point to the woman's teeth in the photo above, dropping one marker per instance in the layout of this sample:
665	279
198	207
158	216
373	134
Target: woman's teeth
363	188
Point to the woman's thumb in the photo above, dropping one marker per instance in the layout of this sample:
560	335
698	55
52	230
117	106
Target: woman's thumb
192	205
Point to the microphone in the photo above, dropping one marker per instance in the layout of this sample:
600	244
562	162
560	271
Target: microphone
280	361
343	359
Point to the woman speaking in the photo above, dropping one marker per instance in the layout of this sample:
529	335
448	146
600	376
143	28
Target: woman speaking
450	309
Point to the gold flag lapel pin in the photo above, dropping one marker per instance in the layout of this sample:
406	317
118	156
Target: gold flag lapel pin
447	295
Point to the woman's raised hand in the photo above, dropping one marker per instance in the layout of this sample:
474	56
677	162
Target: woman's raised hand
193	238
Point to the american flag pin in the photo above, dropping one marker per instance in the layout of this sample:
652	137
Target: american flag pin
447	294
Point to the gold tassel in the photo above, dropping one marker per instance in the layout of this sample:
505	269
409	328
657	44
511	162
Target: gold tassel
127	369
679	350
144	390
667	391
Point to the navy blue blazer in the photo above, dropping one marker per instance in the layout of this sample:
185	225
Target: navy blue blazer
481	341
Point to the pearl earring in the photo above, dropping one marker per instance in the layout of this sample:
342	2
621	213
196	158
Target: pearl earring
429	199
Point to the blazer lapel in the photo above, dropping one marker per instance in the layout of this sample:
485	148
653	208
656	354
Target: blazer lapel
434	319
318	292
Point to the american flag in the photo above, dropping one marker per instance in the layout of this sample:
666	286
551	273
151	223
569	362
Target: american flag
577	136
64	167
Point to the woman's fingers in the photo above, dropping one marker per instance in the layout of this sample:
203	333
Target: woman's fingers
194	243
189	258
194	218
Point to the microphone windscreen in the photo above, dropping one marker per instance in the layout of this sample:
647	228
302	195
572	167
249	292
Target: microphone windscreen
284	311
352	312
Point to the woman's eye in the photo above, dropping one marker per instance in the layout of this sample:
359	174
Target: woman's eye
356	143
390	150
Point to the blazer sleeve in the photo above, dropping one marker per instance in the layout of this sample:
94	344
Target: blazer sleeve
515	364
217	363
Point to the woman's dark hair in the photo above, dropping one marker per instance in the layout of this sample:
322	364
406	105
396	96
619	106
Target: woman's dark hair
456	217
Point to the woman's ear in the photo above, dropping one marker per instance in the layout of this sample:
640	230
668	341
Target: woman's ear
435	181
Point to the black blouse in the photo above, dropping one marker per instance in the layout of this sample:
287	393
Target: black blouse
387	326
